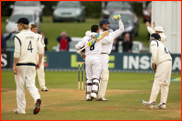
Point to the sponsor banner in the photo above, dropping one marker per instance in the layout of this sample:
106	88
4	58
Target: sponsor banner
5	59
118	62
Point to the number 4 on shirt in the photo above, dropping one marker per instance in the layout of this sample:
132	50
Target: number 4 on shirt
30	46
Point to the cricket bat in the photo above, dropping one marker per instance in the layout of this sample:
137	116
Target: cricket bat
95	39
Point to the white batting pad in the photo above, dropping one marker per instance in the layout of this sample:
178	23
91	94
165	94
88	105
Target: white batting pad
95	88
103	83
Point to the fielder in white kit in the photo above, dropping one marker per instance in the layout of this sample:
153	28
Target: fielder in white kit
162	64
24	66
159	30
93	63
40	71
106	50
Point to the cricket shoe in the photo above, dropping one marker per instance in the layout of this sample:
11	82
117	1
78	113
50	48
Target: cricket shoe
101	99
148	104
89	99
44	89
161	106
93	96
18	112
37	106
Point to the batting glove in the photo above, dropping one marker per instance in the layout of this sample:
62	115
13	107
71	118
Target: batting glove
97	35
91	43
82	54
116	17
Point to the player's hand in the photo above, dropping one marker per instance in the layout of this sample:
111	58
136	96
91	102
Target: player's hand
116	17
83	56
15	70
38	66
153	24
154	66
97	35
147	24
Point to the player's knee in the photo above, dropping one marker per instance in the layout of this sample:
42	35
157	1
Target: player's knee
95	85
96	82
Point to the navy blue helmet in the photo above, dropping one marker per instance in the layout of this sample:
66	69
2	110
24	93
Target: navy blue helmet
156	36
103	21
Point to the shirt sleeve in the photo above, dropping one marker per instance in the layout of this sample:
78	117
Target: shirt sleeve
58	39
80	44
150	30
17	48
40	47
69	39
6	38
42	41
153	50
88	33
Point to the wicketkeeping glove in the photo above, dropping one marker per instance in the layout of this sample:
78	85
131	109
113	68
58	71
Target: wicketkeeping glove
116	17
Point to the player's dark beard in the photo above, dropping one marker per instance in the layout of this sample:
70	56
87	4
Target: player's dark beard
105	29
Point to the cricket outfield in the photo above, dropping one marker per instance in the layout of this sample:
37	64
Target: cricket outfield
64	101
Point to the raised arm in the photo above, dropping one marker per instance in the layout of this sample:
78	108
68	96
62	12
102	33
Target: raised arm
119	31
150	30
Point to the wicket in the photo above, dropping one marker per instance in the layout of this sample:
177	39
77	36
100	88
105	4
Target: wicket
80	71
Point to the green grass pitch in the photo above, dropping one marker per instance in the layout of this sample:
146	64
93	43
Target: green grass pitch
64	101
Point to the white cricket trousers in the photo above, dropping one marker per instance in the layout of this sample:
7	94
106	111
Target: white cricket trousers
26	75
104	61
41	75
93	69
161	81
93	66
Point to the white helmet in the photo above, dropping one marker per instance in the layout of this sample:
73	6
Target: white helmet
159	28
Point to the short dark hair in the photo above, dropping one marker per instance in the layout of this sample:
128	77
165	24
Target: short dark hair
94	28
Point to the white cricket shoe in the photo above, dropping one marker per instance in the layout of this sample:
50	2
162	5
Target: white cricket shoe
44	89
148	104
93	96
18	112
101	99
89	99
161	106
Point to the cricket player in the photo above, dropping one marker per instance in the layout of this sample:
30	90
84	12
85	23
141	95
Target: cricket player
27	46
106	50
40	71
159	30
93	62
162	64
